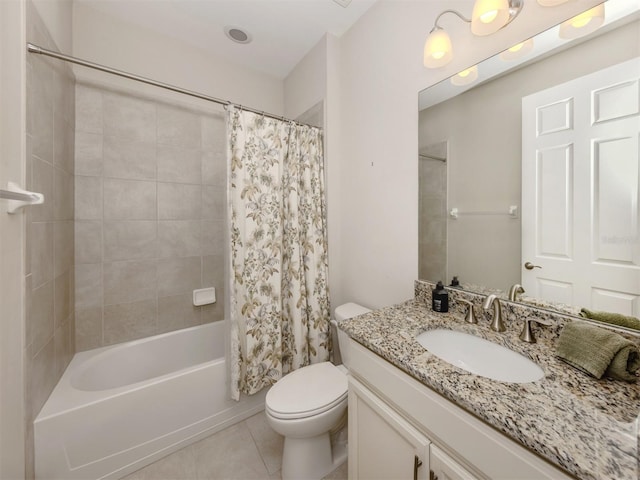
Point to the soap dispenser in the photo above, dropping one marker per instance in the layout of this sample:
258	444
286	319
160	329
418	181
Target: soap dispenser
455	283
440	299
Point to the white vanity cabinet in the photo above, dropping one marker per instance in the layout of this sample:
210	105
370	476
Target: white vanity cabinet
401	429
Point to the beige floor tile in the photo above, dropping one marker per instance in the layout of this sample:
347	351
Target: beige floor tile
339	473
269	442
230	454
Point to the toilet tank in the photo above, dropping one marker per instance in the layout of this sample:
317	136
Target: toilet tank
348	310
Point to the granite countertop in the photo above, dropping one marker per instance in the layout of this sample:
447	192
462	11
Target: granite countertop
586	426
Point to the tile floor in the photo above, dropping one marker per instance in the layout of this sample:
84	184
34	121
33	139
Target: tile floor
248	450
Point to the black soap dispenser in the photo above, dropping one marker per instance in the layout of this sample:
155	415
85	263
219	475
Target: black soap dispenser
440	299
455	283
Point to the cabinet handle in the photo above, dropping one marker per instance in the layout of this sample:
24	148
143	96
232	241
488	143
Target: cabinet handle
432	475
417	463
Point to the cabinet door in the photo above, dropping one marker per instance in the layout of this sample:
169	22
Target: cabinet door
443	467
382	445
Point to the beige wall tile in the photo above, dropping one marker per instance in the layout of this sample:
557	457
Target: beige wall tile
129	321
213	270
63	143
63	349
179	202
177	312
178	127
179	165
129	160
40	323
129	200
213	203
214	312
88	198
63	195
42	376
130	281
178	275
63	247
128	118
214	132
42	120
62	300
88	109
88	328
88	154
214	168
130	240
212	237
41	240
42	181
89	285
178	238
88	241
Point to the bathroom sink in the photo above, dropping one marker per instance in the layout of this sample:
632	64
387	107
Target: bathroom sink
479	356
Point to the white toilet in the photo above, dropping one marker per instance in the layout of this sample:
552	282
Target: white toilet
306	405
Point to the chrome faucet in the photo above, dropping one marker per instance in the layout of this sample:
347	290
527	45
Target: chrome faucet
527	334
497	323
514	291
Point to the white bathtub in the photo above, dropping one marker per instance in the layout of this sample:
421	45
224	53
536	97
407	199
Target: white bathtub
119	408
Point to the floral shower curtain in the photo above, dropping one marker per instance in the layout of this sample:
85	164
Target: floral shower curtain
279	301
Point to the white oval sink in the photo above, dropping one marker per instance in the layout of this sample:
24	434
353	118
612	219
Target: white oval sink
479	356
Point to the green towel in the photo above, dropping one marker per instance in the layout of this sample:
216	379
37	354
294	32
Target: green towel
612	318
598	352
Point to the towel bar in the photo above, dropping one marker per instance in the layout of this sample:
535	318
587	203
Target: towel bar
17	197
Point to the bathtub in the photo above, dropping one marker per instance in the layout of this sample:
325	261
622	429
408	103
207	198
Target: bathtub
119	408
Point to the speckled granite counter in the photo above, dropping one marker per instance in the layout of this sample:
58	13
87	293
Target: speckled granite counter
587	427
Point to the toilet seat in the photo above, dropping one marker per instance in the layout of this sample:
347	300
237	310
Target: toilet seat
306	392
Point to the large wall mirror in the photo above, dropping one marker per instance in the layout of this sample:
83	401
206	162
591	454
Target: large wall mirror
536	162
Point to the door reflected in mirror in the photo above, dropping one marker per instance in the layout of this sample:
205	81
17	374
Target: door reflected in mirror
576	192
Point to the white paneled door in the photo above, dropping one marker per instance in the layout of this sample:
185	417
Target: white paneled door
580	176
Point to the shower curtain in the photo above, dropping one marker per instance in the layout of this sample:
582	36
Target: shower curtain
279	299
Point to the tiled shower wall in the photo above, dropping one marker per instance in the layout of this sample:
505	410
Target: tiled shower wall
49	281
432	214
150	210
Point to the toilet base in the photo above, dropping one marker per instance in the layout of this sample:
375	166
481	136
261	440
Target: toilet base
311	458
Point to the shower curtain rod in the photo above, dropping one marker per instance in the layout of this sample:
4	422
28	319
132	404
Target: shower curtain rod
31	48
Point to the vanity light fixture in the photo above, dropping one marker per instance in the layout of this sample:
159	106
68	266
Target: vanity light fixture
465	77
517	51
488	17
583	24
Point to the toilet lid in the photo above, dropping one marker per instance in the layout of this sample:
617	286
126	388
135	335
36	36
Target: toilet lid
307	391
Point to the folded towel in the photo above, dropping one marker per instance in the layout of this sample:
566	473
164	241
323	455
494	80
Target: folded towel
612	318
598	352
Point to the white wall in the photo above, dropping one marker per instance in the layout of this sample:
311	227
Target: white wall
12	241
380	75
56	15
107	40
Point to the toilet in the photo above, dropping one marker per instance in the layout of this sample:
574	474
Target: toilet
306	405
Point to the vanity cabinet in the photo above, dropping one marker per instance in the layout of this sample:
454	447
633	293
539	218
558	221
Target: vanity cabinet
401	429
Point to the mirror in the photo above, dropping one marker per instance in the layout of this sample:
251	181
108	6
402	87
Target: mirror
473	189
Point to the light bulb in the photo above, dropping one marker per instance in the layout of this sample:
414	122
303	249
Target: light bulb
517	51
584	23
489	16
437	49
465	77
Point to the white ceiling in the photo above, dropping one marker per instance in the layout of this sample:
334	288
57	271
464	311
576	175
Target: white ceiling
283	31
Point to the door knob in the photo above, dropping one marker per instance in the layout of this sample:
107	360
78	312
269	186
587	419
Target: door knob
531	266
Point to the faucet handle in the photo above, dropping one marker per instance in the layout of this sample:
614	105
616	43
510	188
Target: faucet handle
527	334
470	317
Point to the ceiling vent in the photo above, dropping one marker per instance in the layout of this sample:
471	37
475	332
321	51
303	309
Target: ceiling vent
237	34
